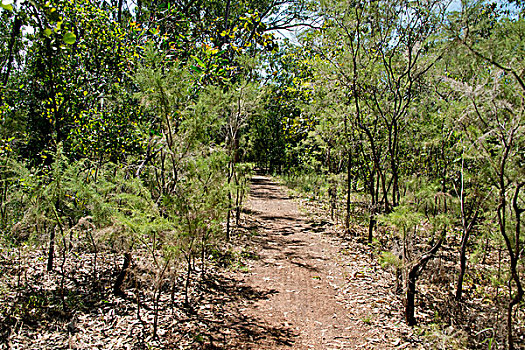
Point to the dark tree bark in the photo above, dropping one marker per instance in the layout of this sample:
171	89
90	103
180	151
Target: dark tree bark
413	275
349	192
117	287
51	252
119	14
514	259
467	226
15	33
463	255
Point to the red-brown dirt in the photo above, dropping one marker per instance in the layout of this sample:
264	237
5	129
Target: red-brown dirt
321	292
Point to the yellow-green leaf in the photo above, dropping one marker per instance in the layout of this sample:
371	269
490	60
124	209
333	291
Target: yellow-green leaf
7	7
70	38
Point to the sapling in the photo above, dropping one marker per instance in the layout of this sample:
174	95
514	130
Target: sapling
492	126
469	214
420	218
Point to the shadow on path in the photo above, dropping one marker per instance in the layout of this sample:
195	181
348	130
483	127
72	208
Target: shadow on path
223	324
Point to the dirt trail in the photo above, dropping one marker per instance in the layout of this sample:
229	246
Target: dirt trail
320	292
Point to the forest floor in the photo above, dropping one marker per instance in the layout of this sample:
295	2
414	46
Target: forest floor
320	291
287	280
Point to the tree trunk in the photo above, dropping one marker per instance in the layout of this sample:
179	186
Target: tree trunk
462	265
228	217
518	297
514	258
231	173
395	165
349	192
372	222
51	252
411	297
119	13
117	287
156	295
466	229
187	284
17	25
371	226
413	274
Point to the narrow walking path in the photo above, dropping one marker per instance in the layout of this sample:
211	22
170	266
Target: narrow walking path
321	292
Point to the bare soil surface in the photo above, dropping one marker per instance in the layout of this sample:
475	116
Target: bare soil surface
320	291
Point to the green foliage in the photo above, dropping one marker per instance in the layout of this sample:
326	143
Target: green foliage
130	129
62	105
17	180
306	183
441	337
404	219
277	131
389	259
8	7
70	38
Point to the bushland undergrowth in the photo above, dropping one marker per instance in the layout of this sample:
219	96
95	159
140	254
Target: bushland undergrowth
403	244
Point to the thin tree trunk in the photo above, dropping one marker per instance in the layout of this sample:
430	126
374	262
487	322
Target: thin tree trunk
228	217
238	203
373	203
187	284
413	275
231	170
395	166
203	255
514	258
17	25
411	297
119	14
462	265
51	252
117	287
349	191
157	294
